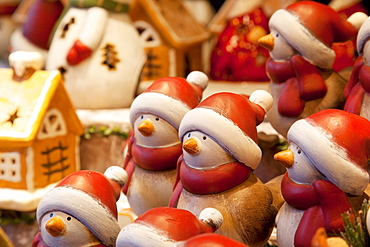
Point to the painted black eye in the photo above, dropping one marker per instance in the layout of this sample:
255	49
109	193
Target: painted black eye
204	137
189	135
51	215
157	119
299	151
277	35
69	218
142	117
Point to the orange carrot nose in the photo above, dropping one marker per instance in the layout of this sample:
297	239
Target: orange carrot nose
55	226
191	146
267	41
146	127
285	158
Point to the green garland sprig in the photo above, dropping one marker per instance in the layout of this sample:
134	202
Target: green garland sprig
104	131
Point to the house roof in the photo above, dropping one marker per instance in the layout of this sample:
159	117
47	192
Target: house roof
24	104
173	20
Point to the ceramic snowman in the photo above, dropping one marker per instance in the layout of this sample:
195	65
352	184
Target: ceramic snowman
98	51
7	26
35	31
220	151
165	226
301	58
154	146
81	210
357	90
324	165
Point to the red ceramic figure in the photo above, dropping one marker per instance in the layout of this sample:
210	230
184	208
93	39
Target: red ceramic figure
301	59
165	226
220	151
154	146
324	165
81	210
357	90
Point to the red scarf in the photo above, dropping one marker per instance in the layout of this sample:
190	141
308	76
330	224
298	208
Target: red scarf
302	82
323	203
358	84
152	159
211	181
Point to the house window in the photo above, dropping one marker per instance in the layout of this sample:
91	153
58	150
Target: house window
148	35
52	125
10	167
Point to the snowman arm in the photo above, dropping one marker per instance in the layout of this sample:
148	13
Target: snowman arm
93	30
90	37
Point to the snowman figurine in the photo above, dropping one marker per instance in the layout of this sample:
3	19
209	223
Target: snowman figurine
97	49
220	151
357	90
324	165
81	210
301	59
165	226
35	31
154	146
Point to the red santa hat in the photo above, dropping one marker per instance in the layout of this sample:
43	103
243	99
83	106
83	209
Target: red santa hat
166	225
91	198
311	28
231	120
338	144
363	36
170	98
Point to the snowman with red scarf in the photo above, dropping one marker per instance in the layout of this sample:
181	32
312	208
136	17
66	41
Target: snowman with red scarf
220	151
357	91
327	160
301	60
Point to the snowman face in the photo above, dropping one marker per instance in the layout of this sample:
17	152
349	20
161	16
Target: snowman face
153	131
208	155
302	171
59	229
282	51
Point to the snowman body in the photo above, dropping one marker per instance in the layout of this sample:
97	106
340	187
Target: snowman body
110	76
246	208
153	157
357	90
333	99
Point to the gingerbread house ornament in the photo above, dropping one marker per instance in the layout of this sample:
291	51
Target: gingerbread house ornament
39	132
171	36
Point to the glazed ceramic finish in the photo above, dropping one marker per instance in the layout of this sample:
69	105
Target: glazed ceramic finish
88	42
303	82
216	168
81	210
164	226
154	147
357	90
320	166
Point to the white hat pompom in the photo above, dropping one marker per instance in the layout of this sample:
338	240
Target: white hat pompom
357	19
198	78
211	217
117	174
262	98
